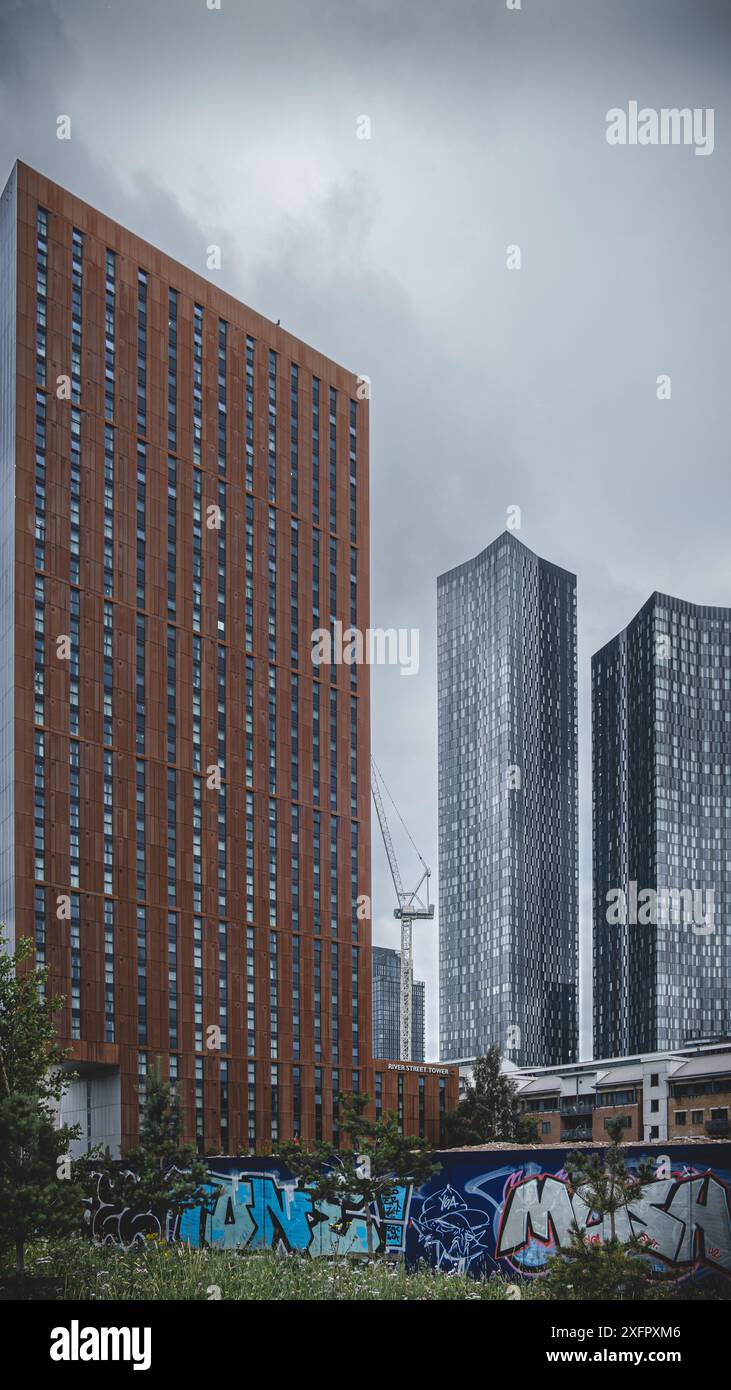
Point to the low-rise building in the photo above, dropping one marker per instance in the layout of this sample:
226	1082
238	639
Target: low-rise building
663	1095
700	1098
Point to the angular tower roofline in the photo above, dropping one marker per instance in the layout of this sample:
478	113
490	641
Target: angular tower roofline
508	537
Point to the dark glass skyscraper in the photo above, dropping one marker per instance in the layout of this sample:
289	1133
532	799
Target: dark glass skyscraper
661	725
387	1007
508	833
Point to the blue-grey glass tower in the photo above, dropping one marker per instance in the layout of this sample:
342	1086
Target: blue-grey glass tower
508	830
387	1007
661	730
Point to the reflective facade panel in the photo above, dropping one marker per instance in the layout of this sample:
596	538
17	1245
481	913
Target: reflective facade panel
508	836
661	726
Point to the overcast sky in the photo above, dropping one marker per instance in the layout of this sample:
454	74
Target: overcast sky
491	387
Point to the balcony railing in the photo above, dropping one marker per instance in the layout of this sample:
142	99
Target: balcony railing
578	1107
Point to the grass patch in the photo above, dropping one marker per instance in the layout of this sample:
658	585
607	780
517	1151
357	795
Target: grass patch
155	1270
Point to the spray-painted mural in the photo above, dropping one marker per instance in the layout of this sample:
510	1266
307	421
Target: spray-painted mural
484	1210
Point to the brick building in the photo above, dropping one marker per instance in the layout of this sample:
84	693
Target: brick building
684	1094
184	796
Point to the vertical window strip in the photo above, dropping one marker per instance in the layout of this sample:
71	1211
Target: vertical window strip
39	804
296	984
315	452
108	511
294	437
39	907
334	1003
336	1108
354	1004
249	721
318	1102
141	927
333	875
140	829
272	596
221	614
141	520
297	1102
250	994
74	813
249	575
316	906
172	536
354	879
332	458
75	499
108	794
249	856
272	728
316	742
294	739
172	370
197	844
75	966
249	467
108	674
294	593
273	994
141	352
353	475
275	1102
251	1104
333	749
317	998
222	404
172	850
272	431
173	979
197	547
109	953
40	481
172	646
198	982
272	834
199	1106
140	696
197	706
77	286
197	383
41	294
39	649
110	304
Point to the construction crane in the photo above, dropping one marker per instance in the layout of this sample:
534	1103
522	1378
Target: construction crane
410	908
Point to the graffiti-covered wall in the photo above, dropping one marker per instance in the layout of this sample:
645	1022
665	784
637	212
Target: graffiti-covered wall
485	1210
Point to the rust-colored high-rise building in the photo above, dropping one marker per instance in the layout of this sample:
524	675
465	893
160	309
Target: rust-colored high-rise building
184	796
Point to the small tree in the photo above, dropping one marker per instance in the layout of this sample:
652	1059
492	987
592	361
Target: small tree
161	1174
593	1267
489	1111
39	1189
365	1175
30	1058
40	1194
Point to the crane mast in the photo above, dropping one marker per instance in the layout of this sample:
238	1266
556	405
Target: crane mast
410	907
